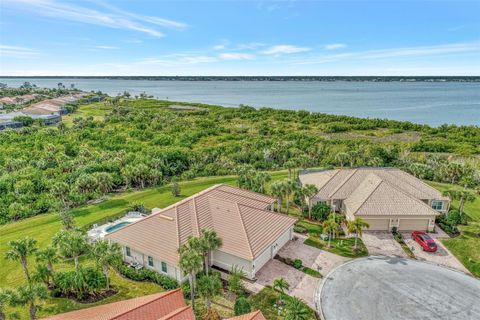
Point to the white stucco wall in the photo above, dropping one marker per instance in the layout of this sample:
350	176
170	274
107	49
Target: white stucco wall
136	256
226	261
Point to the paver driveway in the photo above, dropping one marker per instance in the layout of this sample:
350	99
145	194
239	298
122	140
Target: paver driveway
382	243
442	257
301	285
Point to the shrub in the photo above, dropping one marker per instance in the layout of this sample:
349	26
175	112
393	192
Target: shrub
144	274
175	189
211	314
300	229
242	306
320	211
297	263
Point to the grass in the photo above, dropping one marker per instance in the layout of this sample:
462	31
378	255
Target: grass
341	246
311	272
43	227
399	238
466	247
265	301
313	228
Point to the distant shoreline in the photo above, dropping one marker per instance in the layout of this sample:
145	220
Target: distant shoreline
269	78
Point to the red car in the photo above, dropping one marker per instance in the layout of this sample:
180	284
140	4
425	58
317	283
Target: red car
425	241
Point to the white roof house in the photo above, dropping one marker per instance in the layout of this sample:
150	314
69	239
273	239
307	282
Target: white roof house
384	197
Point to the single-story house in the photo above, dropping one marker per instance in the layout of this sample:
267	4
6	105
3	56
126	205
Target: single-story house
383	197
168	305
251	232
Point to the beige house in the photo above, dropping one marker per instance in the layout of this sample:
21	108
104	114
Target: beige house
384	197
251	232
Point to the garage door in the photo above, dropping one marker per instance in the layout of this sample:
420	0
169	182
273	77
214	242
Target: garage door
378	224
413	224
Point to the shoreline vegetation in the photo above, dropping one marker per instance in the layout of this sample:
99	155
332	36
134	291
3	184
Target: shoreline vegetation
108	156
269	78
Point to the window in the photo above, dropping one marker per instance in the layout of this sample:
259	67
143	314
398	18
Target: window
127	251
164	267
437	205
150	261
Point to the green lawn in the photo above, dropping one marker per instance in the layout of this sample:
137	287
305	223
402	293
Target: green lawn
43	227
313	228
466	247
341	246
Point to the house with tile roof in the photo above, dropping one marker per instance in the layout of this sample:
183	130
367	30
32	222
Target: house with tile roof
384	197
251	232
168	305
159	306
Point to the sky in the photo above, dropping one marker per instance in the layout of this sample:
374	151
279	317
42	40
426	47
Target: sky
100	37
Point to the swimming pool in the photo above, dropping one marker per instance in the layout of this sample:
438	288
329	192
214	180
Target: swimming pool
117	226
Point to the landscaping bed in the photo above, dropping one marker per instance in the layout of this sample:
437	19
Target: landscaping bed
298	264
341	246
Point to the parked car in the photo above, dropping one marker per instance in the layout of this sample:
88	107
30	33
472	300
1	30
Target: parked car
425	241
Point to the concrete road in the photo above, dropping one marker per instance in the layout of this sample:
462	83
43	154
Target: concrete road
391	288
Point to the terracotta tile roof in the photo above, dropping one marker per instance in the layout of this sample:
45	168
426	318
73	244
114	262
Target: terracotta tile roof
256	315
374	196
238	216
185	313
151	307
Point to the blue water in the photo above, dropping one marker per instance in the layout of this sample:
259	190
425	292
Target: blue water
117	226
432	103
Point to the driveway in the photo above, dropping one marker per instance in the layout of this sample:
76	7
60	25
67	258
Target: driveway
442	257
391	288
301	285
382	243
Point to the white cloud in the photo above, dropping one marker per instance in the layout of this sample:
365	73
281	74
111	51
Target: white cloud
107	47
236	56
284	49
250	46
420	51
178	59
334	46
115	18
17	52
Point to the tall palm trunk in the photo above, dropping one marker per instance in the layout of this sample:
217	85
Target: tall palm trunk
33	311
75	260
192	291
356	238
25	269
279	204
105	273
206	258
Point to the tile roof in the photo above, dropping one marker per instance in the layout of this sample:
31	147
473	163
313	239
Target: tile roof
151	307
238	216
339	184
256	315
374	196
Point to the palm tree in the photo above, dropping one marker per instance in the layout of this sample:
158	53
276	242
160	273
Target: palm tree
42	274
190	262
235	283
463	196
356	226
211	241
105	255
289	187
276	188
280	284
5	297
30	295
295	309
70	243
290	165
330	226
310	190
48	256
209	286
342	158
20	250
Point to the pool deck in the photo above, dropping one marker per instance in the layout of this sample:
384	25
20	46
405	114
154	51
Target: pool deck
99	232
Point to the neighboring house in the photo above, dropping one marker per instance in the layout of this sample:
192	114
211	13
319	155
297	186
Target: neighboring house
168	305
384	197
251	232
